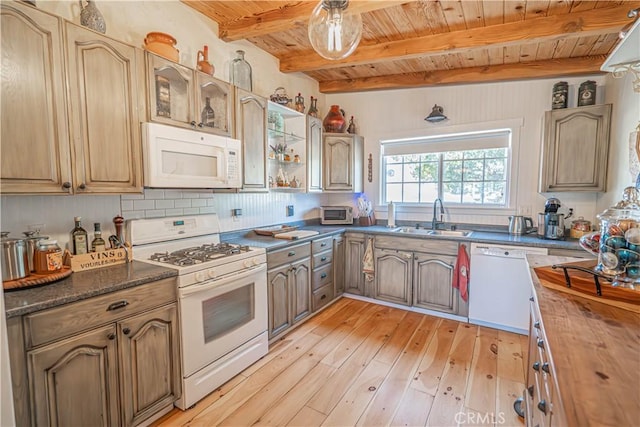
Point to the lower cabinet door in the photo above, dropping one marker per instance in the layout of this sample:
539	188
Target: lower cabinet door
150	363
74	382
301	288
393	276
278	296
354	278
338	265
433	275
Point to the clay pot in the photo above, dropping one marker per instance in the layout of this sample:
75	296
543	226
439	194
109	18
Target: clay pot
334	121
162	44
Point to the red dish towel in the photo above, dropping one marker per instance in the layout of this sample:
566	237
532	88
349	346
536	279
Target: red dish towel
461	273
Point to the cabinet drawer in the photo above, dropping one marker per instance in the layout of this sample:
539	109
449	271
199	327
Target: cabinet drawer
322	296
288	254
322	258
443	247
322	276
323	244
49	325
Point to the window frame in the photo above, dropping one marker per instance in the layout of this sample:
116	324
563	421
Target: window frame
512	125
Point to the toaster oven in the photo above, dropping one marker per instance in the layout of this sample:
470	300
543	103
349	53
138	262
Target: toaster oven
336	215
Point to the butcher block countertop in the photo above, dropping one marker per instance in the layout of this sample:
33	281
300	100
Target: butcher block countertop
595	351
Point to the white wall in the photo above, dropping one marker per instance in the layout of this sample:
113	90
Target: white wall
398	113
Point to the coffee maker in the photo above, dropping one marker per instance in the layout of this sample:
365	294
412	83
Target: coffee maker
553	221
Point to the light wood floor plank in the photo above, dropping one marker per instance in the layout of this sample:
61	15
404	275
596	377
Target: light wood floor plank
358	363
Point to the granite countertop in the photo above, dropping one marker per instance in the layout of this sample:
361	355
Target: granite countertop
595	351
250	238
81	285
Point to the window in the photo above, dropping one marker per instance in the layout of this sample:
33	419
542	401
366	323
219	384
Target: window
465	169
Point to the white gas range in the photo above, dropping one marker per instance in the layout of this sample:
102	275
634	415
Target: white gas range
222	293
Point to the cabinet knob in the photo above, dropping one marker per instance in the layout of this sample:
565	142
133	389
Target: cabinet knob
536	366
66	185
545	367
193	123
126	331
530	390
118	304
540	343
323	244
291	253
82	186
200	125
542	405
111	336
536	324
531	299
324	258
323	275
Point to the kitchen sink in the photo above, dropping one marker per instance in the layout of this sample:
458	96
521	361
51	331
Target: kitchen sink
429	232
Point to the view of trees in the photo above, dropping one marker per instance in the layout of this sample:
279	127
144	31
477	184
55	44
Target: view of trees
472	176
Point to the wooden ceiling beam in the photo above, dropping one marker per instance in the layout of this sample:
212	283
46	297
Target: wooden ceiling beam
285	17
550	28
496	73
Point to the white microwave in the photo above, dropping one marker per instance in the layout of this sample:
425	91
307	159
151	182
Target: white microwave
336	215
182	158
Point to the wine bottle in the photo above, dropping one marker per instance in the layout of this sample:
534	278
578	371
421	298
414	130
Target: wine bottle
208	115
78	238
98	244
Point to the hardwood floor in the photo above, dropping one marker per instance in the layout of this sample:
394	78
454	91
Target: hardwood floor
362	364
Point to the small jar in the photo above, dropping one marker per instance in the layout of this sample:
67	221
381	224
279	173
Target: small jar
587	93
48	257
560	95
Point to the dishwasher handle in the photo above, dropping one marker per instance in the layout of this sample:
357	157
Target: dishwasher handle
499	251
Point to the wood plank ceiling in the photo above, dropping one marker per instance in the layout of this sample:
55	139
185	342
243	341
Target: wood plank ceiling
431	42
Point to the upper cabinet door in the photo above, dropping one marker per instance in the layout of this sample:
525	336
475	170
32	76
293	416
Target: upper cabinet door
214	100
105	86
575	149
251	125
314	139
343	162
34	150
171	93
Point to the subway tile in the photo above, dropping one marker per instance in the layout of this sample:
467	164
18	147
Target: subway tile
172	194
190	194
211	202
126	205
191	211
164	204
154	213
133	214
198	203
174	212
182	203
153	194
132	196
207	210
144	204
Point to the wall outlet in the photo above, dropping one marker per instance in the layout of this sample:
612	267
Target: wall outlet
289	210
236	212
525	210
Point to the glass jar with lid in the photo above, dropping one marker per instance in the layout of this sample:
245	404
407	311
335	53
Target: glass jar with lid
619	245
48	257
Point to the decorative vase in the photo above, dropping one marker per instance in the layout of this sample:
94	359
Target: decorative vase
162	44
313	109
334	121
203	61
241	72
91	17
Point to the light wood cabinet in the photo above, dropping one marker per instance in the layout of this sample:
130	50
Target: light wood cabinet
433	275
314	141
354	277
177	96
343	159
251	129
288	287
393	271
113	359
85	139
338	265
575	149
105	87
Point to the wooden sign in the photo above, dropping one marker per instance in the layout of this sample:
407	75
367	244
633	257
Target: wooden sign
100	259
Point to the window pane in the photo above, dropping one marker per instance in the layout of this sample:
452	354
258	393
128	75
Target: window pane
429	172
394	192
411	172
412	158
428	192
393	159
394	173
496	152
452	171
411	193
496	169
494	192
473	170
473	154
430	157
472	192
453	155
452	192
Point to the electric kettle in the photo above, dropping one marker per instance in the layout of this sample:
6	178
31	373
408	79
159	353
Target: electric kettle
518	224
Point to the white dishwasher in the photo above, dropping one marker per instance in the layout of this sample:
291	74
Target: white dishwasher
500	286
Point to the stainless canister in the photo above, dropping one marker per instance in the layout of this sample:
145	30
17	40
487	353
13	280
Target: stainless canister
32	240
14	258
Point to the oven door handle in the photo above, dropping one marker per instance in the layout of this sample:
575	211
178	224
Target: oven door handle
216	283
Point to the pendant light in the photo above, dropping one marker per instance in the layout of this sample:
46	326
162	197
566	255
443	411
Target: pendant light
334	31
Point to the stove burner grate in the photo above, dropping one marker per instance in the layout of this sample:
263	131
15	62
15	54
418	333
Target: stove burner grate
199	254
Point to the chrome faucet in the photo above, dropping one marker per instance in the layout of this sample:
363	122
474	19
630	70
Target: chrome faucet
434	221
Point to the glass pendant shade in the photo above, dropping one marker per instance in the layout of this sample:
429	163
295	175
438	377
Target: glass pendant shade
334	31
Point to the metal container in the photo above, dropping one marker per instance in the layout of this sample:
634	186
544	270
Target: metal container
560	95
587	93
14	258
31	239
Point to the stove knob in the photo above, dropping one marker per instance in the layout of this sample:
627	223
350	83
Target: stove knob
248	263
200	276
212	274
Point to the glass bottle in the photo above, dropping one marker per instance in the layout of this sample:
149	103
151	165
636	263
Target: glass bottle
299	103
240	74
78	238
313	109
98	244
352	126
208	115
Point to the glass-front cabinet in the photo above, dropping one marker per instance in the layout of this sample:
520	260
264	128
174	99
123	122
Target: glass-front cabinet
287	151
181	96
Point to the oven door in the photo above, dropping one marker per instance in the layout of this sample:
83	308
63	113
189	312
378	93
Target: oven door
220	315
